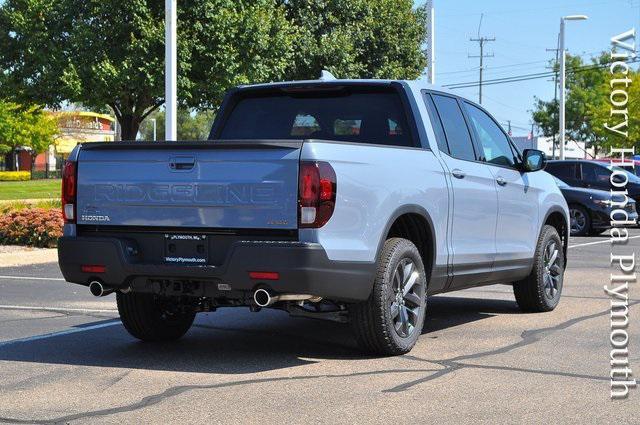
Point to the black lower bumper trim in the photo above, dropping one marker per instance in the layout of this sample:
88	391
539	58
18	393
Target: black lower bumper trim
304	268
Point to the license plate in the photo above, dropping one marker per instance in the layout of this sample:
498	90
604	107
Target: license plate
186	249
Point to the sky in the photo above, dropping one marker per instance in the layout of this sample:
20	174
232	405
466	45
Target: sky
523	31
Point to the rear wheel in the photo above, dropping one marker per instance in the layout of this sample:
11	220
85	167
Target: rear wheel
580	221
152	318
542	289
391	320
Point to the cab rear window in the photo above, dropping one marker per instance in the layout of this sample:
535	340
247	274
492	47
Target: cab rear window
359	116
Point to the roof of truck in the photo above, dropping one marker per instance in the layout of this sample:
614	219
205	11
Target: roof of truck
420	84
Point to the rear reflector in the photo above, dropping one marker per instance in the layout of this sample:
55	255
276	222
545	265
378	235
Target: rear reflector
264	275
93	269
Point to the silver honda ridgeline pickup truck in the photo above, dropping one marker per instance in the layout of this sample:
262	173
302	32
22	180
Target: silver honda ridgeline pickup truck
346	200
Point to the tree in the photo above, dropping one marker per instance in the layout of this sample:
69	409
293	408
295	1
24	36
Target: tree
587	106
42	130
108	52
601	112
192	125
357	38
25	127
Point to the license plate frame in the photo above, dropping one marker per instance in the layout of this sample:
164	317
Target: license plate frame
190	249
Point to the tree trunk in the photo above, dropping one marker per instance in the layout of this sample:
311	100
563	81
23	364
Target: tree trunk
12	163
33	163
129	126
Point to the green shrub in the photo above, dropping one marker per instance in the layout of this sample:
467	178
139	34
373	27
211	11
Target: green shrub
30	226
14	176
41	175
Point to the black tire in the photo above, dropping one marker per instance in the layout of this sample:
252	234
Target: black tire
542	289
145	317
391	320
580	220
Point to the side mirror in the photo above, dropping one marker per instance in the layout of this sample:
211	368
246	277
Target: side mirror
618	179
534	160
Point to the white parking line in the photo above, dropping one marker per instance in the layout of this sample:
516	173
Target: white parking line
31	278
57	309
598	242
61	333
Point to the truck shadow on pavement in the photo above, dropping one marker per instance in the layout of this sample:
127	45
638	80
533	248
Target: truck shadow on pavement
232	341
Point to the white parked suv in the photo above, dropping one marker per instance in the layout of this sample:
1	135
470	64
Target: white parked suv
348	200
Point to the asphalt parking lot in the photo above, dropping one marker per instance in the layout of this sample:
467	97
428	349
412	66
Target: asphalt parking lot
65	358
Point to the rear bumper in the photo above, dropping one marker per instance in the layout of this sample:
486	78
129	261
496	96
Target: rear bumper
304	268
601	219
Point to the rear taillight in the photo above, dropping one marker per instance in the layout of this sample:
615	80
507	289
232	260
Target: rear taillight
316	194
69	186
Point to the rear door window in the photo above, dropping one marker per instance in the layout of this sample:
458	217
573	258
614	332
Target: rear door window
455	127
441	138
373	116
565	171
596	175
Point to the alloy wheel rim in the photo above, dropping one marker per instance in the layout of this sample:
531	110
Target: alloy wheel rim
406	302
552	275
578	220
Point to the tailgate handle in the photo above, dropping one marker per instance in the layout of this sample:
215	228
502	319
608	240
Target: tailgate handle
182	163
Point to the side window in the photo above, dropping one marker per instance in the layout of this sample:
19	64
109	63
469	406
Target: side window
441	139
495	144
595	174
455	127
565	171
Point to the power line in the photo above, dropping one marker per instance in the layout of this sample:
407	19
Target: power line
526	77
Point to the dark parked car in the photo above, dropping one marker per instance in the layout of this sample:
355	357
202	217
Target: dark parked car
589	209
591	175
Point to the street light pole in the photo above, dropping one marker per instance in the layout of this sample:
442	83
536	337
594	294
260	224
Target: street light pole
563	94
171	70
431	42
563	58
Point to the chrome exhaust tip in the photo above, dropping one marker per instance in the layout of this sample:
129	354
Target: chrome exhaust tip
97	289
262	298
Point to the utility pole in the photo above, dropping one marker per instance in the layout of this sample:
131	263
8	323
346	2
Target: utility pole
431	42
171	70
510	132
481	41
555	90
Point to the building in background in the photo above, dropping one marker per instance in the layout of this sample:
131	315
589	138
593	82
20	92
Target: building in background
573	149
75	127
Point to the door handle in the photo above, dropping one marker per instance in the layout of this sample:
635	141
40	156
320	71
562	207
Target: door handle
501	181
182	163
459	174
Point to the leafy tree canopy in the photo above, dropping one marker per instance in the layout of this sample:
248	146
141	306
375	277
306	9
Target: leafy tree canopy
26	127
588	105
357	38
192	125
109	52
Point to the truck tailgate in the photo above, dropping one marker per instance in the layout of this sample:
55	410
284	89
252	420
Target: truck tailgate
217	184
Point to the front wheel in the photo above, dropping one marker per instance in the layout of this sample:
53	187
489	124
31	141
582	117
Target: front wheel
391	320
152	318
580	221
541	290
